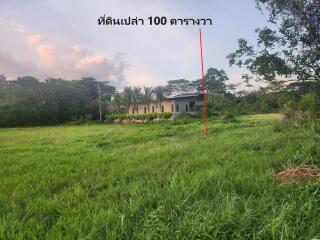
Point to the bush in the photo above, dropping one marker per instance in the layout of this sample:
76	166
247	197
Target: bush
184	118
228	117
147	117
164	115
304	112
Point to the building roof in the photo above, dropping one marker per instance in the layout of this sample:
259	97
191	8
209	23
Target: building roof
185	95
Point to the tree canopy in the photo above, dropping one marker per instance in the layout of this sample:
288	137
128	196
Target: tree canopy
27	101
290	49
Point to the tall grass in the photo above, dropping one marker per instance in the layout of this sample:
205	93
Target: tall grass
157	181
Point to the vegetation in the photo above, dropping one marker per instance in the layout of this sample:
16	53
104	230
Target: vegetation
148	117
28	102
159	180
304	112
288	51
287	57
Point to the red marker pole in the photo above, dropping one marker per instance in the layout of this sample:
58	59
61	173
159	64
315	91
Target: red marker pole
203	90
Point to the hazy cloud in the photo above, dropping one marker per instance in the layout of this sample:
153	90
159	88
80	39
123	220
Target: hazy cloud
46	57
12	67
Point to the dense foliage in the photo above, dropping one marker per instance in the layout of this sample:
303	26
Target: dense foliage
287	56
148	117
290	50
28	102
304	111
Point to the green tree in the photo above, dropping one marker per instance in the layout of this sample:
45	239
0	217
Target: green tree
137	98
90	85
27	101
160	94
118	102
232	87
288	51
128	97
178	86
147	96
214	81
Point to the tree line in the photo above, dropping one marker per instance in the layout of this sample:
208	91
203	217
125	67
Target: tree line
27	101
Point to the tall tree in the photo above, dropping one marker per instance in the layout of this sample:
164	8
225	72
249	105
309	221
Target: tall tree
179	86
118	101
137	98
147	96
160	94
247	81
92	86
128	97
214	81
290	50
233	87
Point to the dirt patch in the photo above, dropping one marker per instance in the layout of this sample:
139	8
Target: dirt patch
299	174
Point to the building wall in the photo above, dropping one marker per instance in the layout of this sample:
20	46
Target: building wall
186	104
180	105
168	105
154	107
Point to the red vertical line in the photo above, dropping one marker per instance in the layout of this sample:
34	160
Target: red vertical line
203	90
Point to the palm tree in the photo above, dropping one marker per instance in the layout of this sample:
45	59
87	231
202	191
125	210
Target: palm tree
128	97
147	96
137	96
160	92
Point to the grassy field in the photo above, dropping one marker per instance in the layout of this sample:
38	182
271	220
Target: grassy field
157	181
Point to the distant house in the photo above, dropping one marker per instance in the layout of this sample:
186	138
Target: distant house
183	102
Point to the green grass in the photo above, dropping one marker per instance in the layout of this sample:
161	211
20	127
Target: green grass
157	181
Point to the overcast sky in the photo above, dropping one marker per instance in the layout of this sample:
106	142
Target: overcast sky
61	38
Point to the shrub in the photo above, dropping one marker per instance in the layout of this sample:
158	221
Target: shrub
147	117
164	115
183	118
304	112
228	117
